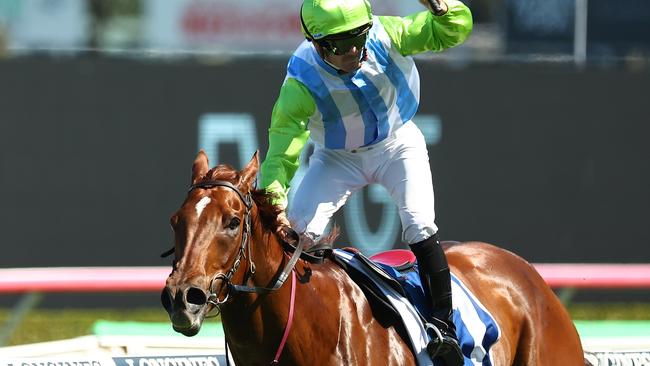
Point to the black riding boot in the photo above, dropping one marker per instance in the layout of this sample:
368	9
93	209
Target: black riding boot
434	273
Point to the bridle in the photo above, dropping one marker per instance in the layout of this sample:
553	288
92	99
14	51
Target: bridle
213	296
245	245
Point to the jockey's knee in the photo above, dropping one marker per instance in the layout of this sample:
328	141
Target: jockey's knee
415	233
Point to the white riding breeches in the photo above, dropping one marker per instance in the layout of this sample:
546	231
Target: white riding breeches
400	163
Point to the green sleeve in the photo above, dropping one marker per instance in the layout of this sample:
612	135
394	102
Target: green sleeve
287	136
424	31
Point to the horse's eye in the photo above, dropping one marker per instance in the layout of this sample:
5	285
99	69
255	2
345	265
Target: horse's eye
234	223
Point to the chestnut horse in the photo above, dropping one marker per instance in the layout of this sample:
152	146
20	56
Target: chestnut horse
226	239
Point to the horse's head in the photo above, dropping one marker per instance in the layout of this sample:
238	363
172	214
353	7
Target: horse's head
211	230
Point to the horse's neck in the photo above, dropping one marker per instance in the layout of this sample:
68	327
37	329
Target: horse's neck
267	255
265	251
244	318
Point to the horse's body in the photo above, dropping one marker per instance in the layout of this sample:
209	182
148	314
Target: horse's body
333	323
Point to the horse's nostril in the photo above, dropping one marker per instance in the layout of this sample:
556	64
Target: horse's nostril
195	296
166	299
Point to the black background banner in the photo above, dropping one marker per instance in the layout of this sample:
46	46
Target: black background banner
95	156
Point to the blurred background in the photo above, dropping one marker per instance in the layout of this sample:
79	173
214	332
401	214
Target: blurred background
536	126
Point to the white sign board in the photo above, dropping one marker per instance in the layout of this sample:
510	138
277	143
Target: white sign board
193	360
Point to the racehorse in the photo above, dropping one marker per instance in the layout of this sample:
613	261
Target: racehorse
230	257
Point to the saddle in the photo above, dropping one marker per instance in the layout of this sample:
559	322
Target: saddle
396	268
391	268
392	285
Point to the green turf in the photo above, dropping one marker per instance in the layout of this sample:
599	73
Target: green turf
610	311
46	325
613	328
586	328
106	328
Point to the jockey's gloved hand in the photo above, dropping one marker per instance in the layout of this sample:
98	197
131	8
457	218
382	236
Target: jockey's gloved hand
282	220
437	7
283	228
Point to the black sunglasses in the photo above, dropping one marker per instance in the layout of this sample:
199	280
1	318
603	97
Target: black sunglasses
342	43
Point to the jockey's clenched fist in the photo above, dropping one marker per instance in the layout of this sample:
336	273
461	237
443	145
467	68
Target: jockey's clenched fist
437	7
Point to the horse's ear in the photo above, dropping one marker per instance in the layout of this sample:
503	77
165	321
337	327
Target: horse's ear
200	166
249	172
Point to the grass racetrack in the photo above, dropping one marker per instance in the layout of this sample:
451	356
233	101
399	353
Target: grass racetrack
42	325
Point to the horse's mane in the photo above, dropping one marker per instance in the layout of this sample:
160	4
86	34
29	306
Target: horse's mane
268	212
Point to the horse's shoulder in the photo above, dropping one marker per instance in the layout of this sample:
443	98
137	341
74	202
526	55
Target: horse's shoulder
330	272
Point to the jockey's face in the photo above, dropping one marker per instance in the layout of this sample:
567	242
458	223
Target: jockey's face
348	62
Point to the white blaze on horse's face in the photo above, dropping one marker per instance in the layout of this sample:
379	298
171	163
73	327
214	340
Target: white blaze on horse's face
201	205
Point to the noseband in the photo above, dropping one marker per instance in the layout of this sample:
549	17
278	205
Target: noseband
213	297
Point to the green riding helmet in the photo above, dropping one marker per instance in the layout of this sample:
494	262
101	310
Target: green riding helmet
322	18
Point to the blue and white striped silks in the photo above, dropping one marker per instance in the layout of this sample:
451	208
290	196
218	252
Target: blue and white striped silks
360	108
476	328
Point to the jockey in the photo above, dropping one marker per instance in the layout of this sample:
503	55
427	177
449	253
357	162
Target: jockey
353	88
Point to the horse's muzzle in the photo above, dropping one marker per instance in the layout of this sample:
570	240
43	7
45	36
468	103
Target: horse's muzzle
186	307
